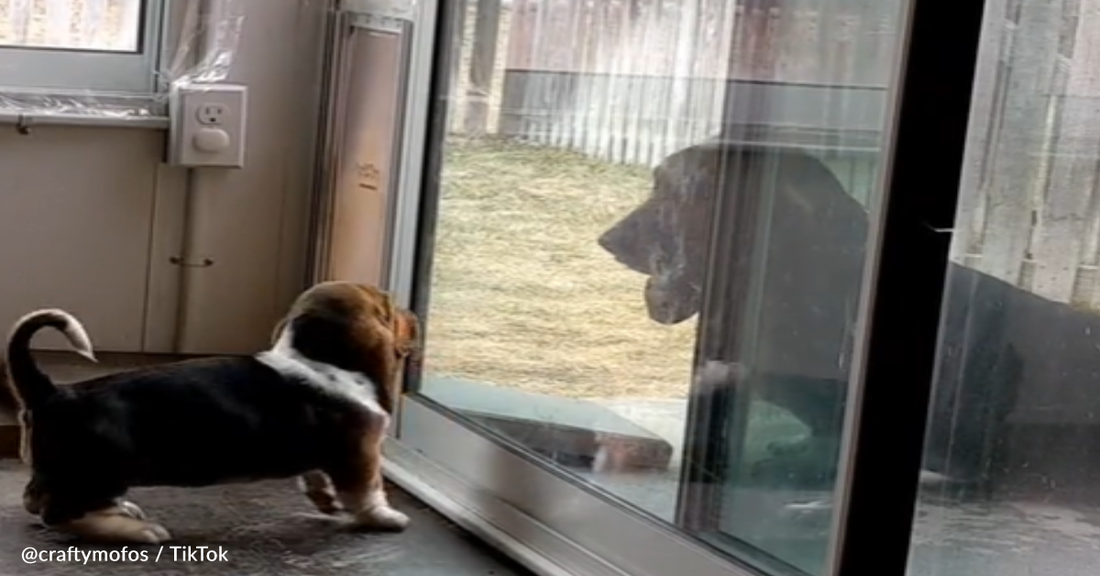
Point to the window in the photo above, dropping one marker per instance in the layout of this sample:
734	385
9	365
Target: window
644	207
1013	449
98	45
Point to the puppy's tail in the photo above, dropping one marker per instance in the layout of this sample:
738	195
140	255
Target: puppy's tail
9	405
29	384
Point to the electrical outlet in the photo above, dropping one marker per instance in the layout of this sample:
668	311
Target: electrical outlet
211	114
207	127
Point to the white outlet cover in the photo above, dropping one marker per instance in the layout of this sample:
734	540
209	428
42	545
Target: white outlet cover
208	125
205	111
211	140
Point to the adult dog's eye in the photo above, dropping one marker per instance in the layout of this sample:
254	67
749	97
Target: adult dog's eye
658	259
669	217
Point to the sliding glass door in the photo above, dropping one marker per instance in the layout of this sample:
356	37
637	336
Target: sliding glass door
641	247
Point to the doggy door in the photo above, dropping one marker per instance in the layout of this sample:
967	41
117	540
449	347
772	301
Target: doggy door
360	159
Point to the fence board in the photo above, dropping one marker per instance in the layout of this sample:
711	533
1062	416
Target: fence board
1009	210
1057	245
645	75
966	245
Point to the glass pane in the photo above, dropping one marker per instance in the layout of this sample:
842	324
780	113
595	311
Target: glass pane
109	25
1013	448
600	156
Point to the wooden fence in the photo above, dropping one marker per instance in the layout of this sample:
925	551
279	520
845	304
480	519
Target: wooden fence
630	81
1031	211
72	24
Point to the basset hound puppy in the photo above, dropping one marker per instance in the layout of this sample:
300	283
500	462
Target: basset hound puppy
316	405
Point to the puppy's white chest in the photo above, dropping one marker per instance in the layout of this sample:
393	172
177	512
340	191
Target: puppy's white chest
338	382
346	384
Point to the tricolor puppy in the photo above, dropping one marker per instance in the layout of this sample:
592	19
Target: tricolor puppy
316	405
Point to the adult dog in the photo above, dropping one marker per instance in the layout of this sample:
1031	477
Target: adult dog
316	405
811	284
815	247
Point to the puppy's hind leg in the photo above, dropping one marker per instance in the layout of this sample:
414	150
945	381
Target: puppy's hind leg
119	521
360	487
115	525
32	497
317	486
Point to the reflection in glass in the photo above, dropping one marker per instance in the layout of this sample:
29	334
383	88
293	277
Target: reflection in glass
110	25
1014	433
615	171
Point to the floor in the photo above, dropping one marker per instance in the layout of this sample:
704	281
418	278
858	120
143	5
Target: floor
269	528
1006	539
263	528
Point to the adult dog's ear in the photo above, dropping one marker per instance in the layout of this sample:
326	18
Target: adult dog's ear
684	187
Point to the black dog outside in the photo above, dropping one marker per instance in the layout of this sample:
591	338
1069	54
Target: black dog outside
1014	368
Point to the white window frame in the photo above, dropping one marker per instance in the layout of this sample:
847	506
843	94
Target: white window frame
46	69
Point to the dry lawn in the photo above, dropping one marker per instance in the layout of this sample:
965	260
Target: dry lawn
522	295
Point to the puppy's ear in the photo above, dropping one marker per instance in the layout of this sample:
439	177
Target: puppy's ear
377	303
389	309
404	325
407	332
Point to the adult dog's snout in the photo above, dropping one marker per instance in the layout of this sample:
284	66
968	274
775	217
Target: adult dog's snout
608	240
621	236
626	242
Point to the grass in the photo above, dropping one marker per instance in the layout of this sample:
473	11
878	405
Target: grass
522	296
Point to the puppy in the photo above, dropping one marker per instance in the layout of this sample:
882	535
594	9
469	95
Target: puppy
316	405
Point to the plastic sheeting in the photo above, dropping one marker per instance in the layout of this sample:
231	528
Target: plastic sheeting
204	53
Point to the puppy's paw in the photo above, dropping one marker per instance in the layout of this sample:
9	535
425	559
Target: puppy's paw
328	506
128	508
32	498
318	488
32	504
141	532
382	519
153	533
325	502
111	526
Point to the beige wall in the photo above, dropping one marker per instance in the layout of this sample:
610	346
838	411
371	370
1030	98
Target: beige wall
89	217
76	206
253	222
